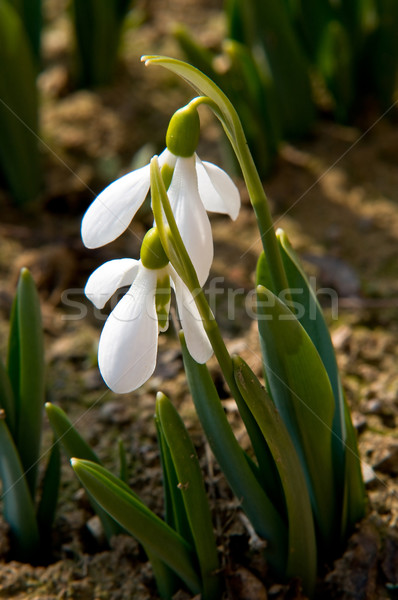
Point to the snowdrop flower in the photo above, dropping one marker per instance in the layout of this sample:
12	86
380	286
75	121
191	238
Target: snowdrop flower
129	340
194	188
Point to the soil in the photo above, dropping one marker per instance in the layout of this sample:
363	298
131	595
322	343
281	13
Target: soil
336	195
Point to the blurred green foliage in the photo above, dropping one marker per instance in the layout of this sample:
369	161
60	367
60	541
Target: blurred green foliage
19	153
97	25
277	56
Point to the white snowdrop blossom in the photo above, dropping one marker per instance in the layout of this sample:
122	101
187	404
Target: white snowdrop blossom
128	343
196	187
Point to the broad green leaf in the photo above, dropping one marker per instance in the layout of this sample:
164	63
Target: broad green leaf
233	462
301	390
191	488
175	514
26	370
153	533
19	157
302	554
18	506
308	311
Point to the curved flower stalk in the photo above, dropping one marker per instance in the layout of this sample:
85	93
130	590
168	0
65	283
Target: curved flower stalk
195	187
129	340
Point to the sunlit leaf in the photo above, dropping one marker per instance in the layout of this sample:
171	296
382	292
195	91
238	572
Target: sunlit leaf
301	390
302	554
191	488
124	506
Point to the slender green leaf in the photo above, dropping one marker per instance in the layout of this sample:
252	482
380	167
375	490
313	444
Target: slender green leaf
175	514
118	500
49	493
233	462
191	488
302	557
75	446
26	369
301	390
18	507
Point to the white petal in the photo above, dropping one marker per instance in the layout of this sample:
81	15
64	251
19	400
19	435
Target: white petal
128	344
111	212
108	278
167	158
217	190
191	217
195	336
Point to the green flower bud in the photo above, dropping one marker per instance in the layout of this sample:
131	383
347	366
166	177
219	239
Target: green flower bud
153	255
182	135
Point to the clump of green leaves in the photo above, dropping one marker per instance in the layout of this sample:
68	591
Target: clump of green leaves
181	548
22	391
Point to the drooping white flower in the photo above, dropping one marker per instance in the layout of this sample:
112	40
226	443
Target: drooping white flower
128	344
196	187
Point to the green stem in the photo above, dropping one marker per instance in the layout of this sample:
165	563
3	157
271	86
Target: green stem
180	259
257	195
260	205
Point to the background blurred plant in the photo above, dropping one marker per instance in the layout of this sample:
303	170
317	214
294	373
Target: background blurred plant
181	548
22	401
263	72
98	25
19	153
30	13
277	56
353	48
